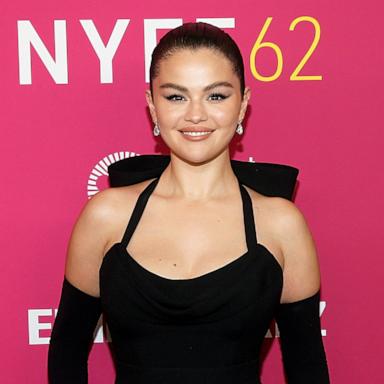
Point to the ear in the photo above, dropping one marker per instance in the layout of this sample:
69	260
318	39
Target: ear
244	103
151	105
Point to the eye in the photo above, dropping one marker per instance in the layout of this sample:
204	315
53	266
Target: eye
217	96
174	97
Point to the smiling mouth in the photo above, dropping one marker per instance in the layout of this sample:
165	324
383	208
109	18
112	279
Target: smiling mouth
196	133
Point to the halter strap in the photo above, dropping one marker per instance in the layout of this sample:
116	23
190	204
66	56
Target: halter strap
138	211
249	223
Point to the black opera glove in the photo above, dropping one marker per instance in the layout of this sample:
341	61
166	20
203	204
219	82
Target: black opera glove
72	336
301	341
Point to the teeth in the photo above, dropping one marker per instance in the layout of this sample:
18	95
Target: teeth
195	133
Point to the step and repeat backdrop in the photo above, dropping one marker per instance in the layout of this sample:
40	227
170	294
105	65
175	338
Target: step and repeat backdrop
73	76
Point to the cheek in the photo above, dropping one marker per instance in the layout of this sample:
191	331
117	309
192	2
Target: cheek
226	115
167	111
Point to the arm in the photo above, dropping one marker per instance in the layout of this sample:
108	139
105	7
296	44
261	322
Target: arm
79	308
297	315
301	341
72	336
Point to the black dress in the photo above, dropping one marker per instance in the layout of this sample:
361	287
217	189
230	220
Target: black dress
207	329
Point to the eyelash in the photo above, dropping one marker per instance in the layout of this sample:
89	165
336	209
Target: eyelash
222	97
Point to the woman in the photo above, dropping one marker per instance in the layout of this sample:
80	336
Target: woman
190	285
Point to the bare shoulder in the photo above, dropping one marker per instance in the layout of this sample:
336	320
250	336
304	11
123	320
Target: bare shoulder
287	227
95	226
286	215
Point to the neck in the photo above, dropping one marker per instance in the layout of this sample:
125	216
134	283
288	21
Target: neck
198	181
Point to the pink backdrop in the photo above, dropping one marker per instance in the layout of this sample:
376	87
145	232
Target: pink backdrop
54	133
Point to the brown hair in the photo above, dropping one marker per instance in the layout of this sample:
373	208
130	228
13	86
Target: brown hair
194	36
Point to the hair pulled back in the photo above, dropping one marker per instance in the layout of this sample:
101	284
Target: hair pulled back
194	36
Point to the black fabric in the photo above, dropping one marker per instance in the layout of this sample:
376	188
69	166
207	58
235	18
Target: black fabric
301	341
207	329
72	336
267	178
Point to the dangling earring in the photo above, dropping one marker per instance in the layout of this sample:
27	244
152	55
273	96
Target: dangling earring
156	130
239	129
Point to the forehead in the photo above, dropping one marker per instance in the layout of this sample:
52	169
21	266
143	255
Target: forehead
196	68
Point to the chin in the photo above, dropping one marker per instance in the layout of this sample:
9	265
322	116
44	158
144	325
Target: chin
197	158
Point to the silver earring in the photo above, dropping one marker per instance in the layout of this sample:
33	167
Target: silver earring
156	130
239	129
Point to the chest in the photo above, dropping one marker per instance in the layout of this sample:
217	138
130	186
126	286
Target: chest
181	240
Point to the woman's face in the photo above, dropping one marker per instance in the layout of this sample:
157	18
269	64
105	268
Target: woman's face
197	91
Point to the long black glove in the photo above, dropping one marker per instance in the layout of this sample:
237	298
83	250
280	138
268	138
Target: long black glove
72	336
301	342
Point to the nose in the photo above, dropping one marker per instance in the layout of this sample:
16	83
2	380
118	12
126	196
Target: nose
195	112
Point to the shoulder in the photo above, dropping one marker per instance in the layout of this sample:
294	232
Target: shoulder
100	221
279	216
286	221
288	218
98	215
99	207
105	207
289	228
108	210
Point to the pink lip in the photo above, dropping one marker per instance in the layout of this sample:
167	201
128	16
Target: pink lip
196	138
196	129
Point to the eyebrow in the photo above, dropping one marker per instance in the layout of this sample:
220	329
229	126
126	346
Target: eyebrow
207	88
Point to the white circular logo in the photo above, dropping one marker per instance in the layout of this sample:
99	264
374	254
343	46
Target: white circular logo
101	169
